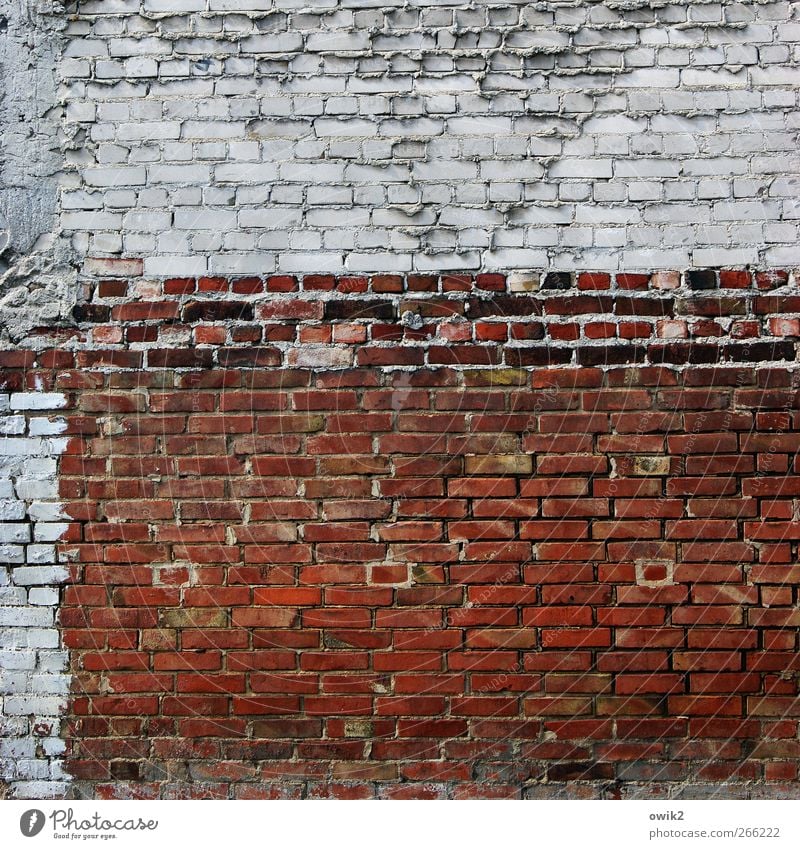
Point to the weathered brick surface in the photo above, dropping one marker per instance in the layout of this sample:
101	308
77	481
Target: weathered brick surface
254	137
435	574
429	373
34	674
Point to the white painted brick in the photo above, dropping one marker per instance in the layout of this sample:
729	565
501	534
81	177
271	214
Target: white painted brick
654	258
44	705
46	511
464	261
12	553
174	6
580	168
43	596
46	426
37	401
41	554
780	257
17	659
40	789
26	617
11	510
12	425
32	488
379	262
29	638
12	596
329	262
14	533
515	258
39	575
49	531
170	266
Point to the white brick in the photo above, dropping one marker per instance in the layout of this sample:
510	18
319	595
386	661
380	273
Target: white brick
198	218
10	510
466	261
515	258
32	488
14	533
241	264
389	262
46	426
43	596
174	6
22	446
37	401
327	262
250	172
12	554
170	266
779	257
41	554
580	168
12	425
197	174
654	258
46	511
49	531
43	705
22	617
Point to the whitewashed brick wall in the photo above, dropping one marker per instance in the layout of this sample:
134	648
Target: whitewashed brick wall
249	136
33	663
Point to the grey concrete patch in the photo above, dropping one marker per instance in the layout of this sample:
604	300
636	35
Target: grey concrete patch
37	281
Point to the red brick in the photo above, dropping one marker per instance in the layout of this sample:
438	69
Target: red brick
398	555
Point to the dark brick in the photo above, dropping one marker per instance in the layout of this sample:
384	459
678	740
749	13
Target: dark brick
557	280
611	355
702	279
579	305
94	313
248	357
683	352
761	351
580	771
217	311
179	358
352	308
540	355
643	306
503	305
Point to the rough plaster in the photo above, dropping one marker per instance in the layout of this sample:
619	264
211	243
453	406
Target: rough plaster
37	282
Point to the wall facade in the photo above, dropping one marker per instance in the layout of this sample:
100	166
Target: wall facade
35	677
400	399
430	536
247	137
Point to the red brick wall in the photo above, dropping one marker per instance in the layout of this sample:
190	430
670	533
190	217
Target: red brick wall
431	536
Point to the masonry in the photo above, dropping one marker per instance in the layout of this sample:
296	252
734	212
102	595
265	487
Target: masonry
400	400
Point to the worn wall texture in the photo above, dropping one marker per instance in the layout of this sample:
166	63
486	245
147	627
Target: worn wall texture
37	280
399	399
244	136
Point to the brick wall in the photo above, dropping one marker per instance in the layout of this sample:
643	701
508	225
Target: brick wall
463	541
418	382
34	680
251	136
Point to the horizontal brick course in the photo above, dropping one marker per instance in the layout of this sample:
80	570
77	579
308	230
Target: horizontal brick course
254	327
